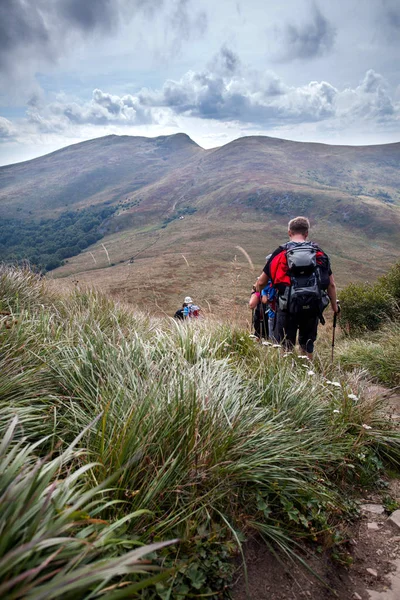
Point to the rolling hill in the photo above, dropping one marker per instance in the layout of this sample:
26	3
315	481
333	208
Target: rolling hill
179	211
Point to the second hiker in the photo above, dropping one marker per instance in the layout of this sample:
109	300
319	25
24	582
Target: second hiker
189	310
263	305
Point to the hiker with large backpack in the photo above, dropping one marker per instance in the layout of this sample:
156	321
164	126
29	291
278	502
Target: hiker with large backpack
189	310
301	274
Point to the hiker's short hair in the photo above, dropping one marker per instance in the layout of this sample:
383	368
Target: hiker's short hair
299	225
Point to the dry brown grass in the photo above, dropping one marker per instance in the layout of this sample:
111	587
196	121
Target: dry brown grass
160	277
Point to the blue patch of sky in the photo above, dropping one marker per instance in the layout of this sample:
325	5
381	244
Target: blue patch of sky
12	112
82	85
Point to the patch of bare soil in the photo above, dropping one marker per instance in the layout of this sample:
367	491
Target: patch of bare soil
373	545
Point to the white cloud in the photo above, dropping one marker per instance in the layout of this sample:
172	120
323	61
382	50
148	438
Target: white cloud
102	109
7	129
368	101
260	98
227	91
222	102
248	97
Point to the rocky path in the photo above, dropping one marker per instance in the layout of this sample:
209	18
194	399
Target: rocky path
387	530
374	546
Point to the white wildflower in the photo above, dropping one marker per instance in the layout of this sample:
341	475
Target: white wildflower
276	346
306	366
367	426
335	383
251	335
304	357
266	344
337	412
353	397
310	372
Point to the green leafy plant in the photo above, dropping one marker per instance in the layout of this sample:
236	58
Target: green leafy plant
390	504
203	566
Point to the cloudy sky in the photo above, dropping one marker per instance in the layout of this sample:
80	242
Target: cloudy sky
310	70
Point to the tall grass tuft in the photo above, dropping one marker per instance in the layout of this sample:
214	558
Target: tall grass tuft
55	540
379	354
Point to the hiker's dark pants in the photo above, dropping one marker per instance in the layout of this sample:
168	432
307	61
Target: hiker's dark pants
287	326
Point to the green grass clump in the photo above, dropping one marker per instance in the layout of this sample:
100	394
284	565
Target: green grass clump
214	435
379	355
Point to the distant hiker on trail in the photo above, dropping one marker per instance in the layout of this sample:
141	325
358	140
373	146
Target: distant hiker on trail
188	310
301	274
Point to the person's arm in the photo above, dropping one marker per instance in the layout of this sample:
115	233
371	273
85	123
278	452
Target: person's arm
254	300
266	275
332	294
261	282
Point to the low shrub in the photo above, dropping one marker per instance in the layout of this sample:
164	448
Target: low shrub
366	307
391	281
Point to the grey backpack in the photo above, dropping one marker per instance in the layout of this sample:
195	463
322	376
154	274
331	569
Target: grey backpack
304	296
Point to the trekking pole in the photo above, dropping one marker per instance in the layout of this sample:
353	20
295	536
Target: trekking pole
335	316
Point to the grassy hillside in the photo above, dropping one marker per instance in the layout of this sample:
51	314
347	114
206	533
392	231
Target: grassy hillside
104	169
172	198
197	433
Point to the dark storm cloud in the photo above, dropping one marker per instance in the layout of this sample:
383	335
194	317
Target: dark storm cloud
226	61
21	26
90	14
390	18
37	30
184	23
308	40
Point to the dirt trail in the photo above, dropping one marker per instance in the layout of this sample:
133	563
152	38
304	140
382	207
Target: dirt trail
374	545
